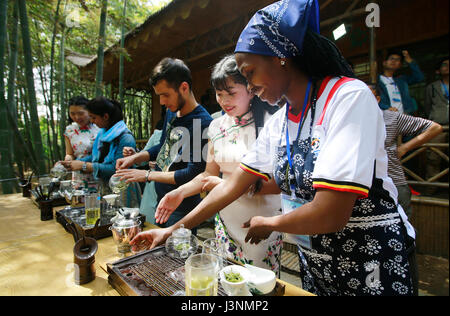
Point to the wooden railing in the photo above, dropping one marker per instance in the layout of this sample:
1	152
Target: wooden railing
430	220
415	178
442	151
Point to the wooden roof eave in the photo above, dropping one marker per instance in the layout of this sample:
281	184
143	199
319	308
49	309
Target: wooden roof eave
160	22
171	30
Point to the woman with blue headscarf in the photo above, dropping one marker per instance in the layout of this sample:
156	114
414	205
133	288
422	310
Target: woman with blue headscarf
325	150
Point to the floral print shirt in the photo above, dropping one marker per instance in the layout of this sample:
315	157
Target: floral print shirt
81	138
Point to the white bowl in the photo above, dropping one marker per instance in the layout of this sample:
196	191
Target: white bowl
235	288
262	281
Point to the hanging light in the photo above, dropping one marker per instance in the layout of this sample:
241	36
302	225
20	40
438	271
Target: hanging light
339	32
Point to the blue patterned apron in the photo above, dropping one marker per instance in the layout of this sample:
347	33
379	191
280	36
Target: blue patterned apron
369	256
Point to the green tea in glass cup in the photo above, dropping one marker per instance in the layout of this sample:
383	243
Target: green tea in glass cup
201	275
92	207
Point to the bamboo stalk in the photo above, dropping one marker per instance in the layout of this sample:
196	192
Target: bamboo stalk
35	127
5	150
121	59
62	84
51	99
100	52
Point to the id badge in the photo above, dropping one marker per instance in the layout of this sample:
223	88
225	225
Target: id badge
288	204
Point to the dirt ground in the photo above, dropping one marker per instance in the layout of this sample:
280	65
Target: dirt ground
433	275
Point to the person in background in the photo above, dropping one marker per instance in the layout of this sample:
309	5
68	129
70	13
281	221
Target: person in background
436	95
108	146
230	138
149	197
419	130
81	133
436	108
394	90
178	155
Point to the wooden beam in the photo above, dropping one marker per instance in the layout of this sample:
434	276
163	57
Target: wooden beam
221	38
412	174
414	154
343	16
429	184
323	6
352	6
438	176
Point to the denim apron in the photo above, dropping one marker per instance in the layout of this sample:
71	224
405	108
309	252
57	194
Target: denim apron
370	255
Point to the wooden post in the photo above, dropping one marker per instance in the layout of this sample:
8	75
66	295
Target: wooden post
373	56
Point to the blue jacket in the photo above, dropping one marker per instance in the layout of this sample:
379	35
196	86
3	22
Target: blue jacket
118	137
409	104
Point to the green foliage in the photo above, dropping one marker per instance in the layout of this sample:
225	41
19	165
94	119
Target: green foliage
80	19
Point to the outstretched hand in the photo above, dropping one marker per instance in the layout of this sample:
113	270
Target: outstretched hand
149	239
168	204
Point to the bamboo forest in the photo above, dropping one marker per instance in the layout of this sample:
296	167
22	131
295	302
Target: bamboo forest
37	78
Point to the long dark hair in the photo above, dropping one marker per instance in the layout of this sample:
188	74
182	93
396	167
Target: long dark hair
227	68
78	101
321	58
101	106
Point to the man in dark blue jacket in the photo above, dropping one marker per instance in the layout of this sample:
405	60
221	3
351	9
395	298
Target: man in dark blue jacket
178	156
394	90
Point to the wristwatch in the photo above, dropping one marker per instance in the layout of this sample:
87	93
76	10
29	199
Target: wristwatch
84	167
146	175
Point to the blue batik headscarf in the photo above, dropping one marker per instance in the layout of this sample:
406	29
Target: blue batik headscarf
279	29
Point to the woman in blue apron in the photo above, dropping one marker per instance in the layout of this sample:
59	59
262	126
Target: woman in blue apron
330	164
325	150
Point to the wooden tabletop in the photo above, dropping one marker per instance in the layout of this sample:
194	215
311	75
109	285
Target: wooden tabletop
36	257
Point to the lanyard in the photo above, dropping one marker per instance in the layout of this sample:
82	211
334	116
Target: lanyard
445	89
288	146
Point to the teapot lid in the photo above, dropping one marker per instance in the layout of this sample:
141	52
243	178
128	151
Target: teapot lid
182	232
126	222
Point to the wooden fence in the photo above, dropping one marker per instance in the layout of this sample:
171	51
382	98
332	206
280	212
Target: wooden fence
430	219
437	180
